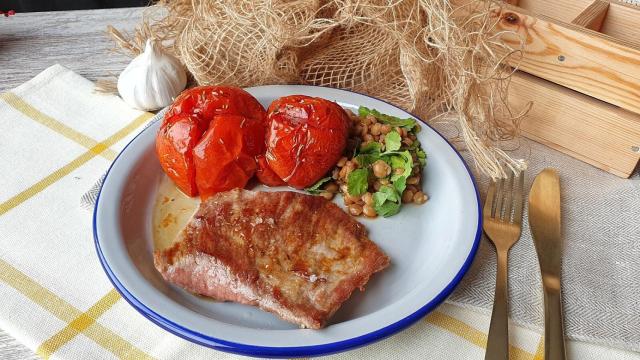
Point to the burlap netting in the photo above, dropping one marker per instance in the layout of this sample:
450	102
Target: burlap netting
427	56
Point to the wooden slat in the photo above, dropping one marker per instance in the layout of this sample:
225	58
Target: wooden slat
588	129
623	22
581	59
561	10
593	16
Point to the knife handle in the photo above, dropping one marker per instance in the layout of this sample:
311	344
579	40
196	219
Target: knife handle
498	340
553	324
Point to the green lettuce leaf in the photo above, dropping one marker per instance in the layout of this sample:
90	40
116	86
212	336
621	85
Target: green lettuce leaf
400	184
400	159
407	123
392	141
372	148
387	209
422	157
366	159
315	188
358	182
386	193
386	201
369	154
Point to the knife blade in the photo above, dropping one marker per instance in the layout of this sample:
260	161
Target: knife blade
545	224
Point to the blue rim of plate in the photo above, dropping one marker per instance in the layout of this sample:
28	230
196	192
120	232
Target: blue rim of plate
295	351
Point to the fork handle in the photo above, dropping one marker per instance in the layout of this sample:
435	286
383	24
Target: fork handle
498	339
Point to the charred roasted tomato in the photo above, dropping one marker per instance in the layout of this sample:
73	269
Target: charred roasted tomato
227	148
305	139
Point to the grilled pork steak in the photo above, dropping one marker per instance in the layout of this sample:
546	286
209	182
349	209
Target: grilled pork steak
295	255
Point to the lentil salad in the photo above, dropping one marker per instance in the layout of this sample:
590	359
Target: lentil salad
381	168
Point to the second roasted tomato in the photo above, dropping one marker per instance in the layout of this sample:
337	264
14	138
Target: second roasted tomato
265	175
306	138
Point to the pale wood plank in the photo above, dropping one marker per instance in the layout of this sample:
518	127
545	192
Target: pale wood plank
593	16
581	59
562	10
588	129
623	22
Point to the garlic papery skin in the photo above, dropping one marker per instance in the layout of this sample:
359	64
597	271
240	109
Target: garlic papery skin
152	80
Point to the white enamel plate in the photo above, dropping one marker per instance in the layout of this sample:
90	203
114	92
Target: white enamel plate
431	247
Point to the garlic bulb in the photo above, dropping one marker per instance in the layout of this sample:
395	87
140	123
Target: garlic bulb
152	80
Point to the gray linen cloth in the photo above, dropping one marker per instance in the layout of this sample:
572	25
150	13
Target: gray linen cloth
601	254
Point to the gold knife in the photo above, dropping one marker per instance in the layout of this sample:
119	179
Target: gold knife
544	221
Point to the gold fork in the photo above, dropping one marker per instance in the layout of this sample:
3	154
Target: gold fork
502	217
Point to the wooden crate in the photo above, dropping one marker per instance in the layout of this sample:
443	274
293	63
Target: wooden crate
583	63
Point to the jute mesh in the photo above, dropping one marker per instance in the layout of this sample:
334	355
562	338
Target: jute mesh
439	60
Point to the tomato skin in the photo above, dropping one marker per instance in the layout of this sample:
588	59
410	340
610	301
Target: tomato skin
186	125
306	138
205	102
224	158
265	175
176	138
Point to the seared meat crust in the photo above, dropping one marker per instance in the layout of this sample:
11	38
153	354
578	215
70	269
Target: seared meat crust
295	255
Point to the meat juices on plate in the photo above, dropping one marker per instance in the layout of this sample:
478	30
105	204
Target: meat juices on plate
295	255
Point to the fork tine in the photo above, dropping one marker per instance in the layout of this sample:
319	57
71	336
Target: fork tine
508	201
499	198
488	202
519	199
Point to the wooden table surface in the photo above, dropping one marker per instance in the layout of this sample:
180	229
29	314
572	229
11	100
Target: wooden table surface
31	42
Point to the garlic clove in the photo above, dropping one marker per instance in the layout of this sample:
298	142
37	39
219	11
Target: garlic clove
152	80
